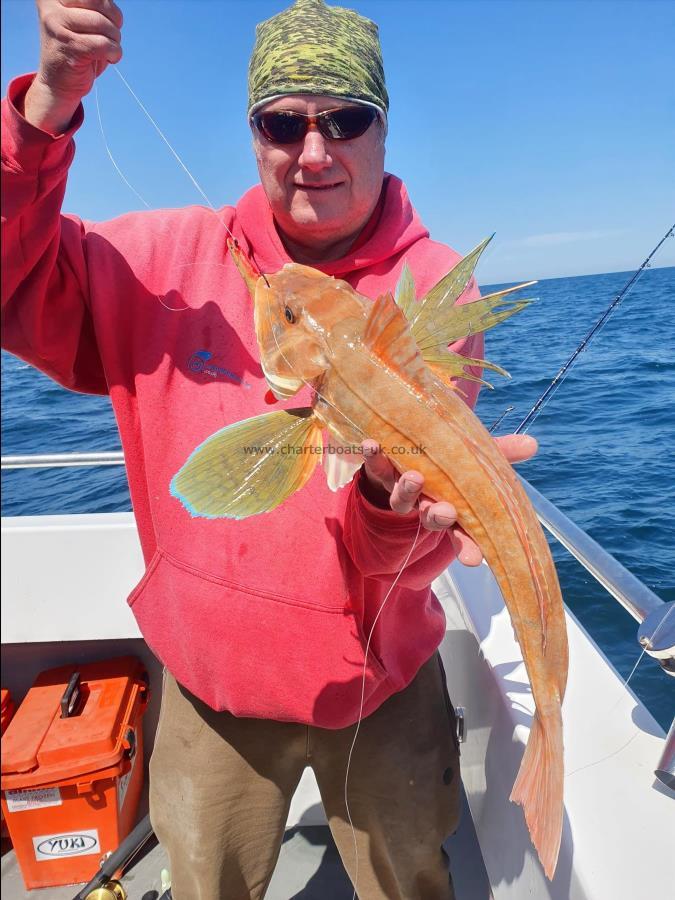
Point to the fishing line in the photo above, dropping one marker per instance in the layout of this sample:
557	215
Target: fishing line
363	691
555	384
637	731
661	623
174	153
183	166
372	628
499	421
124	178
171	149
561	374
127	182
108	150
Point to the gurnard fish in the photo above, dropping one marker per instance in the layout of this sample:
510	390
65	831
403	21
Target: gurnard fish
382	370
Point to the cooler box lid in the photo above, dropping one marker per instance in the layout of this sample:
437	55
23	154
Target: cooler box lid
6	710
73	721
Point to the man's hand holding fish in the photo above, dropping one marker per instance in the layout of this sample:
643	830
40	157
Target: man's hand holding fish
385	487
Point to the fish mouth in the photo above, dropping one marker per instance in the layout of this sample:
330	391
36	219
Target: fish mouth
282	387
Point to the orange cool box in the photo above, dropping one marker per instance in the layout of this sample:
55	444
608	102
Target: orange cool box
6	713
72	769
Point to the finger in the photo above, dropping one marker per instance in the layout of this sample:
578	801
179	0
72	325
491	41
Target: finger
85	21
106	7
517	447
406	491
468	552
95	47
378	468
437	516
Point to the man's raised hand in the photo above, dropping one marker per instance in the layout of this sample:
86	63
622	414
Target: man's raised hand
78	39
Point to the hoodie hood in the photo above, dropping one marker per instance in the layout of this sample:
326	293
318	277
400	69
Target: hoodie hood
398	227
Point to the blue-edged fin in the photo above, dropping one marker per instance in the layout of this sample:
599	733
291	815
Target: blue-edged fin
250	467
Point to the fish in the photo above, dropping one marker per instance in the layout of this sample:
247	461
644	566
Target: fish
382	369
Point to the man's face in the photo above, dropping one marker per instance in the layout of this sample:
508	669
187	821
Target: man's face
321	191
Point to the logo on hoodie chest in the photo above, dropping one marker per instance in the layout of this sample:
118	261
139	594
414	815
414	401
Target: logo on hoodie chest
202	363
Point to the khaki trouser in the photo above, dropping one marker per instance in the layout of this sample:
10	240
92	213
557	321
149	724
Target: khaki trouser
221	787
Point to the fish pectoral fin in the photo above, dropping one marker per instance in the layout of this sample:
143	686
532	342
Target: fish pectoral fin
250	467
387	335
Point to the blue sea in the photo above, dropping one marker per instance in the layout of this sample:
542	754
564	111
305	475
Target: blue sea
606	455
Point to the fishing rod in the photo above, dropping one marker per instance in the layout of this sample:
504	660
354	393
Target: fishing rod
559	377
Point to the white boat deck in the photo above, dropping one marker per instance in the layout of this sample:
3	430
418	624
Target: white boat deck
35	639
309	868
619	821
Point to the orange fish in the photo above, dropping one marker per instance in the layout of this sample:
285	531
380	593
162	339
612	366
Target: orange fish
382	370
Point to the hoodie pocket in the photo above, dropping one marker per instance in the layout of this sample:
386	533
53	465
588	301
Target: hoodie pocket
254	655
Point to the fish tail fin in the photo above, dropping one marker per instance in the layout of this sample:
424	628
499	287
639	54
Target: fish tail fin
539	788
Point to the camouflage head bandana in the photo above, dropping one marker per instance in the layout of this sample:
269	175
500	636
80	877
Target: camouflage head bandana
312	48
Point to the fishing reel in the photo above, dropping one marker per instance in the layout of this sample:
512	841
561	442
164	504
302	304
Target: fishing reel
111	890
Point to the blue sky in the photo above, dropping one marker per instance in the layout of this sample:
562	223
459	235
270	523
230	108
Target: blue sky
551	123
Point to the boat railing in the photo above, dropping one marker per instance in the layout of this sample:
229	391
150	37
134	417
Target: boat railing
632	594
63	460
656	632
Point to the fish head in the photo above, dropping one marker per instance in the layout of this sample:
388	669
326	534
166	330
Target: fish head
296	313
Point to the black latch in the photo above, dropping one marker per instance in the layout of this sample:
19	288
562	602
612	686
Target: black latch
71	696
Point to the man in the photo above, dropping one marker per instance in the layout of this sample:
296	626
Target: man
261	624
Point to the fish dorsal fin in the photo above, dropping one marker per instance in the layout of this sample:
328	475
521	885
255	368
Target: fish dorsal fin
447	366
457	322
387	336
405	292
440	300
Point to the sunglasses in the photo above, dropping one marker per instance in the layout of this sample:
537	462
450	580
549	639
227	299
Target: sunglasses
285	126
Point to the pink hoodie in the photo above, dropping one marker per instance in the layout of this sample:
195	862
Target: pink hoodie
264	617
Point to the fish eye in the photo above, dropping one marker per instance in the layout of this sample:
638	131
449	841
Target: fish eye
288	312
